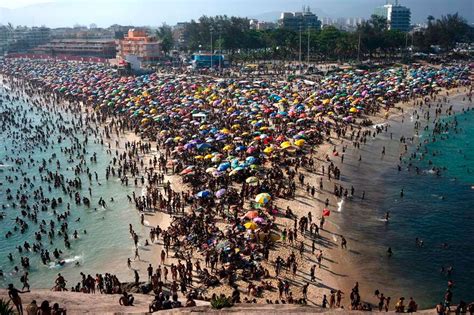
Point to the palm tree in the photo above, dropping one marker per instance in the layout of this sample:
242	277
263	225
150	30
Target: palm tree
5	308
430	19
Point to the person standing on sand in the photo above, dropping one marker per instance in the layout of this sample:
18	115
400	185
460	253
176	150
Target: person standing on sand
150	271
305	290
343	242
332	299
325	302
14	295
163	256
312	273
387	303
381	301
339	294
137	255
319	257
137	277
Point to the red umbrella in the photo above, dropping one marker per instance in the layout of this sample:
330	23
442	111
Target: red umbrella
326	212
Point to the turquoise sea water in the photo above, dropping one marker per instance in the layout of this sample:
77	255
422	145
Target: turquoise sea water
434	209
106	245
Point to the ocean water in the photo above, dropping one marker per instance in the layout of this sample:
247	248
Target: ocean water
106	245
434	209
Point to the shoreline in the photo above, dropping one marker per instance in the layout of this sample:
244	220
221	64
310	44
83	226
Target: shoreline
351	171
302	206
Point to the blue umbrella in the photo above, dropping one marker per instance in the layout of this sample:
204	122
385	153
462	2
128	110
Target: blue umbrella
203	146
251	160
223	166
204	194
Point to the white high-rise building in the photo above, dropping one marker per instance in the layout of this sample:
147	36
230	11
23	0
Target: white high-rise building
398	17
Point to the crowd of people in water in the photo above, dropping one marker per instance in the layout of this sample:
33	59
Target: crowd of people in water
238	147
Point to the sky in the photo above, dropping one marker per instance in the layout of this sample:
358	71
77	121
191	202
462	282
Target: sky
56	13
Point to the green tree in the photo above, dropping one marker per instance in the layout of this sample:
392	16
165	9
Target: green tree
165	34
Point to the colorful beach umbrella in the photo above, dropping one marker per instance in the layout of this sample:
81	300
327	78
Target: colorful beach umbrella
262	198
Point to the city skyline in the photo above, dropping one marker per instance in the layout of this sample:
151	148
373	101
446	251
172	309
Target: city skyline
59	13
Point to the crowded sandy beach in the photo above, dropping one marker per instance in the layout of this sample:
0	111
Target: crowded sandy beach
239	183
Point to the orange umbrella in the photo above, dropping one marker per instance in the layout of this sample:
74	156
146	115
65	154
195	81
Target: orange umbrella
251	214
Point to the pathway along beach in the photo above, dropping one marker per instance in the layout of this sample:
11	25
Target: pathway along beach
238	184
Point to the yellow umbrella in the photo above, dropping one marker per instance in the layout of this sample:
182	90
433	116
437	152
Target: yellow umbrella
225	131
300	142
252	180
251	225
208	156
268	150
262	198
227	148
353	110
199	157
285	144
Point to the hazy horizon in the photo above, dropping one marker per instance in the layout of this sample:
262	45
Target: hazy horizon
103	13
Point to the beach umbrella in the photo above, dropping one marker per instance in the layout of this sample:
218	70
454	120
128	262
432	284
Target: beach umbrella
251	160
223	166
251	214
204	194
268	150
216	159
262	198
259	220
300	142
252	180
251	150
211	170
186	171
203	146
220	193
251	225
